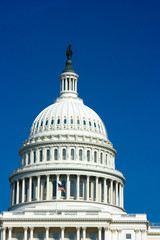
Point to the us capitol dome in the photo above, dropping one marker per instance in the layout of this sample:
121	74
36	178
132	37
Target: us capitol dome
67	186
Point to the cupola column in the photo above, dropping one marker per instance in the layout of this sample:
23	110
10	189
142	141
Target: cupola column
106	233
13	194
11	189
122	196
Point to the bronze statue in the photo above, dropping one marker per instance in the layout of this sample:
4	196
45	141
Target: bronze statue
69	52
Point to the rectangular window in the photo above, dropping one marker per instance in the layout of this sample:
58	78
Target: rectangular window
48	155
128	236
41	156
29	158
34	156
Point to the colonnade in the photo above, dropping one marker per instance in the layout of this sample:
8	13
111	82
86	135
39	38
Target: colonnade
77	233
69	84
77	187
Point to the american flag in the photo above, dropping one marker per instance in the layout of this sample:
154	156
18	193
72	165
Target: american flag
61	188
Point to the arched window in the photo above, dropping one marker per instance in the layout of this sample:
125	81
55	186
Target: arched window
64	154
68	83
88	155
56	154
63	194
65	121
80	154
54	188
41	123
90	123
71	121
46	122
58	121
95	156
78	122
48	155
41	155
72	188
101	158
84	122
72	154
52	121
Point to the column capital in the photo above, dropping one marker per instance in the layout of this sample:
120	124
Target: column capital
84	228
47	228
10	228
99	228
78	228
62	228
25	228
136	230
106	228
31	228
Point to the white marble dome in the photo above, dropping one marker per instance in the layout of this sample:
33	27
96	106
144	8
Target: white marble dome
71	116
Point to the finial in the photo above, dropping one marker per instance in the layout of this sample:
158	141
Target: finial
69	54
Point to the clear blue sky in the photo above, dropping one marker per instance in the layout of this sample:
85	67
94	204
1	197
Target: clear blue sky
116	53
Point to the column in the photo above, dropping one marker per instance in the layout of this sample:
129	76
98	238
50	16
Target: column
23	189
105	190
11	189
57	192
87	188
99	233
143	234
111	192
25	233
69	83
118	233
13	194
62	233
117	193
30	189
106	233
78	178
97	189
31	233
137	233
47	233
17	197
78	233
47	187
68	187
122	202
84	233
9	233
4	233
38	187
